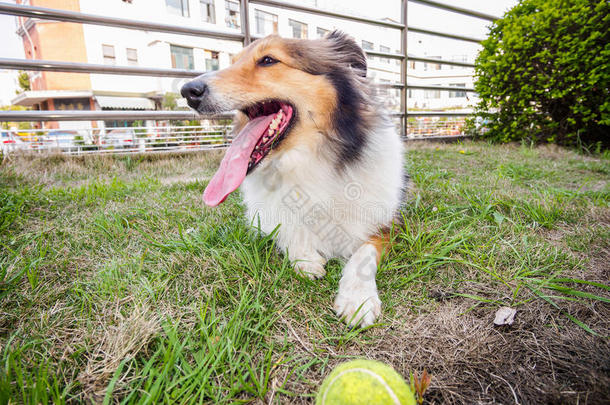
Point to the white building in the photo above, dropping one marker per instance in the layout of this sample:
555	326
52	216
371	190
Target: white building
127	47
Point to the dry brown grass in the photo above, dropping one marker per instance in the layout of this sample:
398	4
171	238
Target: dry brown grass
116	341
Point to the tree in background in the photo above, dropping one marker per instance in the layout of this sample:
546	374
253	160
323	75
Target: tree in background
23	79
544	73
169	101
14	125
24	82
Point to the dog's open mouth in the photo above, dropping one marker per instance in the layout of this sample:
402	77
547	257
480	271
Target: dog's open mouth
275	131
268	125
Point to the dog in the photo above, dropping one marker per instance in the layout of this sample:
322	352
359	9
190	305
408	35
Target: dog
316	157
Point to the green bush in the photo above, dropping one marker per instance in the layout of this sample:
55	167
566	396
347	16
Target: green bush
544	73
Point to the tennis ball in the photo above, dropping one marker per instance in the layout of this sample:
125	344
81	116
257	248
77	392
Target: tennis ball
364	382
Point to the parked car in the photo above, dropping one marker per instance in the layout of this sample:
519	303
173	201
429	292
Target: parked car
120	138
65	139
10	142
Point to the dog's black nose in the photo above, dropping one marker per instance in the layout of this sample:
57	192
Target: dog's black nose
194	91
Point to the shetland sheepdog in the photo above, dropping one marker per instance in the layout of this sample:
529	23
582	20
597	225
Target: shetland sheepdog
315	156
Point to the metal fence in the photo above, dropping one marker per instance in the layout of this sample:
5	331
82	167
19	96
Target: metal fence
124	140
443	127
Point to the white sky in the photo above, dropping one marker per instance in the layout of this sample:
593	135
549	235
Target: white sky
12	47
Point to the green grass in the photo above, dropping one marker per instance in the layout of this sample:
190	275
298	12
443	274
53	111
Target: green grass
118	285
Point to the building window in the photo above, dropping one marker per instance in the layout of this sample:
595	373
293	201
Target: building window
412	64
72	104
386	50
207	11
266	23
182	58
178	7
368	46
384	90
109	57
211	60
232	14
127	1
299	29
321	32
432	66
432	93
458	58
132	57
457	93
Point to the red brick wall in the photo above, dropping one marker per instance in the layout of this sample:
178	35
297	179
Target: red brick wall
57	41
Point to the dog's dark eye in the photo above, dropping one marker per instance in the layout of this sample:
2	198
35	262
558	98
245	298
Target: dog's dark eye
267	61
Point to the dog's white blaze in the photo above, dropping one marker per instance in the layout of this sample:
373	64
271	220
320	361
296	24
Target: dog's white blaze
369	372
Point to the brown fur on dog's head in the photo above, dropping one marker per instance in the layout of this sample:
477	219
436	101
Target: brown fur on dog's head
323	79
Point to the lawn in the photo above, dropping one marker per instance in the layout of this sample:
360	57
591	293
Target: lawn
118	285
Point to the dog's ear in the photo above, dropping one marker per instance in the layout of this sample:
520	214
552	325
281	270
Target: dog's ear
348	51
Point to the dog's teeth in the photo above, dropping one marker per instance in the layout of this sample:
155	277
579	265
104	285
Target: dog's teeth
273	124
280	114
265	139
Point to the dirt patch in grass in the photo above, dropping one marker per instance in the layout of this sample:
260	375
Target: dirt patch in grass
539	359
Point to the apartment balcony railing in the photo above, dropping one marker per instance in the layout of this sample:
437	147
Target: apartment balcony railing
244	36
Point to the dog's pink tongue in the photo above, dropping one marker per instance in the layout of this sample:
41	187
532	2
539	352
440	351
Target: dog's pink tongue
234	165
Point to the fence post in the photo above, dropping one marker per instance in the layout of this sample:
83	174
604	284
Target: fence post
404	66
244	12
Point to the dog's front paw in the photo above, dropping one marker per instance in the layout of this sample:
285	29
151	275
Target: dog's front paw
358	307
312	270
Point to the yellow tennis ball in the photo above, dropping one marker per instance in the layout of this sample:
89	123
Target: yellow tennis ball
364	382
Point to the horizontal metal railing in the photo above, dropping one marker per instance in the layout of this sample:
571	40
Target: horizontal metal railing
24	116
84	18
456	9
441	61
327	13
444	34
446	88
439	113
244	36
87	141
76	67
88	115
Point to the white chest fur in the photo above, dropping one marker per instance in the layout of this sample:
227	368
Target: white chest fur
320	208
